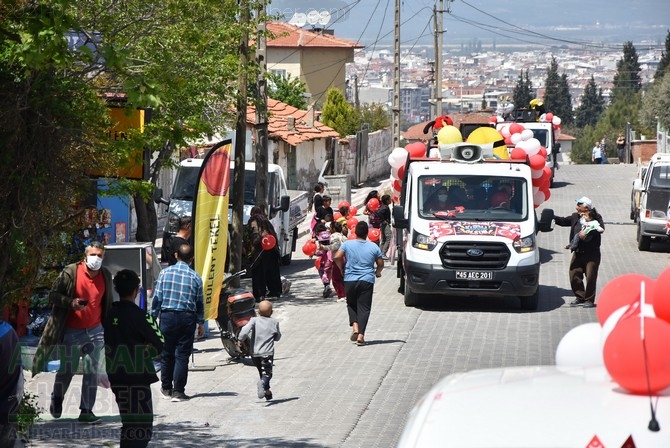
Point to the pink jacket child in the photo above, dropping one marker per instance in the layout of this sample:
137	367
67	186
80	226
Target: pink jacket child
325	261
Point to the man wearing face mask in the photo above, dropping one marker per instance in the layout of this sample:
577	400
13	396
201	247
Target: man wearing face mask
81	297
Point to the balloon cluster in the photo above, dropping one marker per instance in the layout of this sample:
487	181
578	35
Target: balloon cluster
527	147
630	337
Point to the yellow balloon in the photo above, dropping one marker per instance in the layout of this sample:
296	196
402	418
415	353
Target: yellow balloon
449	134
486	135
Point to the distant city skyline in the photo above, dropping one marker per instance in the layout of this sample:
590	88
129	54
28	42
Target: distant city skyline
569	22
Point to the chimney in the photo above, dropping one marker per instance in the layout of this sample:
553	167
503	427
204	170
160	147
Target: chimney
310	116
290	123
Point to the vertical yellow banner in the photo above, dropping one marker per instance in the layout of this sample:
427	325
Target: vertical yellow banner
210	218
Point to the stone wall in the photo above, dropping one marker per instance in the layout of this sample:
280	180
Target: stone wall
380	144
643	150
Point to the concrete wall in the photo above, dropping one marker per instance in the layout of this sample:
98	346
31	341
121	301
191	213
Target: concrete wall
380	145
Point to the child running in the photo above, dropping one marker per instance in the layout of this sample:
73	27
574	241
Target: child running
262	332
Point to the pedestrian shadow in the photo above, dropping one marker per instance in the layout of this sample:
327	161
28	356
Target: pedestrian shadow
280	401
215	394
384	341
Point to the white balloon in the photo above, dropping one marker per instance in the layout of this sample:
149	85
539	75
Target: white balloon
543	118
394	172
527	134
516	138
531	146
499	119
581	347
538	198
505	131
398	157
536	174
556	120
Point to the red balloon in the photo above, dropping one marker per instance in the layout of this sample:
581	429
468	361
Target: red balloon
397	185
268	242
309	248
543	152
343	204
508	141
518	154
547	171
416	149
537	162
351	222
625	359
621	291
336	216
661	299
317	263
353	211
351	236
547	193
515	128
493	119
401	172
549	116
374	234
395	199
373	204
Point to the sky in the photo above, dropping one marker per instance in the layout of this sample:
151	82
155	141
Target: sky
551	22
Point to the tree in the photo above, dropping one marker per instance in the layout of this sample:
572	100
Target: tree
557	98
523	91
656	104
338	114
54	121
592	105
665	59
287	90
376	116
627	81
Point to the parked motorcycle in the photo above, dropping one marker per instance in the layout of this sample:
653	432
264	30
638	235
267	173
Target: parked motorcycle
236	308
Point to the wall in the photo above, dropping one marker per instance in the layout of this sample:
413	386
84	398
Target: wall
643	150
380	144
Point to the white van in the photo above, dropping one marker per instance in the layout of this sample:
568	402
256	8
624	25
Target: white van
651	194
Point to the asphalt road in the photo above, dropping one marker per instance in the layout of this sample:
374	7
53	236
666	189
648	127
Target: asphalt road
330	393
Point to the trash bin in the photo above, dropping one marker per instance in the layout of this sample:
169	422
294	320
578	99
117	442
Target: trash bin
338	187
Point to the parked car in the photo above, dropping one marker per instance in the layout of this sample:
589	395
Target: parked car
635	195
534	406
651	196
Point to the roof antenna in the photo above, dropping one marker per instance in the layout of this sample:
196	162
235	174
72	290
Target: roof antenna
653	423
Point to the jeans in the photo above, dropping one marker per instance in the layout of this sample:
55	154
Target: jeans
264	366
179	331
88	344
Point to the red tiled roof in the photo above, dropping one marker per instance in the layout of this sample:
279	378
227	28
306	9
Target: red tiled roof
291	36
416	132
278	124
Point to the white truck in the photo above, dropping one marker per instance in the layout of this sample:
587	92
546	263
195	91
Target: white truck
543	132
651	201
483	243
287	208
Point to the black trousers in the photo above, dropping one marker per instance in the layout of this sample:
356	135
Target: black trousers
584	266
137	414
359	303
264	366
265	276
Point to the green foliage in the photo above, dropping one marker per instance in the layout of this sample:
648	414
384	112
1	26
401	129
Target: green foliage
656	104
523	91
29	413
664	62
627	81
591	106
557	98
287	90
338	114
376	116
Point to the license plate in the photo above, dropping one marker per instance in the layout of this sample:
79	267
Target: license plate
474	275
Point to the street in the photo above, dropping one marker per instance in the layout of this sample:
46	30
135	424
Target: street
330	393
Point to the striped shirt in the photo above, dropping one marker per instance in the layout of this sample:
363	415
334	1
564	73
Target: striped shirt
179	288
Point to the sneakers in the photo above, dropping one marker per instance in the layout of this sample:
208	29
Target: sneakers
166	394
268	395
56	407
88	417
260	389
577	302
179	396
385	258
588	304
341	299
326	291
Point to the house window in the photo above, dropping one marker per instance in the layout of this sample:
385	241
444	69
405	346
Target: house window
281	73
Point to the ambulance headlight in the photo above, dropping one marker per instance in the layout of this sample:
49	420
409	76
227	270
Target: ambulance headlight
525	244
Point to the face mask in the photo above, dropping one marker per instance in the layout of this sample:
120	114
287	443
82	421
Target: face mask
93	262
442	197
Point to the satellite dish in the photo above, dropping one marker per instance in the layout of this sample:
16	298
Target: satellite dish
299	19
313	17
324	17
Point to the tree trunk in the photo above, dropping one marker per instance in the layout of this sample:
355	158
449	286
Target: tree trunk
147	224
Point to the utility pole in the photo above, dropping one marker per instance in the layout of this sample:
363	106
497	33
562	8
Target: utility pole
437	14
235	253
396	78
261	128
